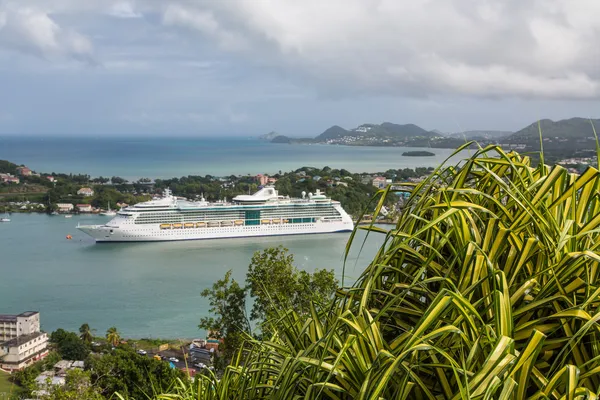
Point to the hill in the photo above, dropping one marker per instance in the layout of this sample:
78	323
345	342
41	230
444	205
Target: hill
573	128
387	133
334	132
481	134
269	136
281	139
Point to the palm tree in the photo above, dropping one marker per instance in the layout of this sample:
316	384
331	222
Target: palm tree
112	336
86	333
488	287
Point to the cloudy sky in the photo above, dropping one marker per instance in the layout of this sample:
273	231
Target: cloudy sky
246	67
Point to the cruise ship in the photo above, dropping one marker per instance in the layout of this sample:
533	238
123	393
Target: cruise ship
264	213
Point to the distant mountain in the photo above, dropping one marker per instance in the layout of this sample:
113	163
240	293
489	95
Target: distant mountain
384	130
483	134
281	139
573	128
334	132
269	136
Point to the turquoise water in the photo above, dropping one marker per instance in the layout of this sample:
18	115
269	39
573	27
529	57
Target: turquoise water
134	158
144	289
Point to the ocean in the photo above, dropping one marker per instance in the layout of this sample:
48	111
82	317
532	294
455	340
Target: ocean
144	289
153	289
133	158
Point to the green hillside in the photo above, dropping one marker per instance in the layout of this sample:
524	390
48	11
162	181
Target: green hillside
573	128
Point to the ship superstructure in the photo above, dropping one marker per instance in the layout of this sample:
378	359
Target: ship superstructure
263	213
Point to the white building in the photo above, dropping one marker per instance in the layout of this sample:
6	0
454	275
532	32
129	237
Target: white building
84	207
65	207
21	342
85	192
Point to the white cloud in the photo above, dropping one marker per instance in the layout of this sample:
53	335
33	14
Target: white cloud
538	48
485	48
33	31
124	10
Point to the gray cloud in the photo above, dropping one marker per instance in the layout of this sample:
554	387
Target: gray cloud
543	49
32	30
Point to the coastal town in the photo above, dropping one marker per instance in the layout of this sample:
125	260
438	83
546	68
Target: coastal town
29	191
51	358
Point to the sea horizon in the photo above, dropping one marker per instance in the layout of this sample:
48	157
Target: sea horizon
170	157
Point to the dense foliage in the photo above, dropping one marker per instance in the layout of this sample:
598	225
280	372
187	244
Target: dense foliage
487	288
132	375
69	345
273	284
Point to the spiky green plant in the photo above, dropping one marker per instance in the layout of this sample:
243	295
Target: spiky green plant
487	288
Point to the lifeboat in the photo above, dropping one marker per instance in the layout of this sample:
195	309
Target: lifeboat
177	226
285	221
200	224
265	221
239	222
276	221
213	224
165	226
226	223
189	225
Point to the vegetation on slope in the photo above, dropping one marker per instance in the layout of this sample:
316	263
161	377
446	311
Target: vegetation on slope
486	288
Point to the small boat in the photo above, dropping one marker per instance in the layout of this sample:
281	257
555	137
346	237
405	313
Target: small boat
213	224
200	224
109	212
165	226
188	225
239	222
54	212
4	219
177	226
285	221
226	223
276	220
265	221
69	216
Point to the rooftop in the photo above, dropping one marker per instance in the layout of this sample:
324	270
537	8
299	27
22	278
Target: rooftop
13	318
22	339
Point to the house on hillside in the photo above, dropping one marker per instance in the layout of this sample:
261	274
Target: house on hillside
264	180
65	207
379	182
85	208
24	171
51	178
87	192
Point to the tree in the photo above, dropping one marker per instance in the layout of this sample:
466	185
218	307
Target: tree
276	284
117	180
112	336
69	345
227	301
131	375
85	333
77	387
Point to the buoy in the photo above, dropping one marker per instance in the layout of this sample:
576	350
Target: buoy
69	237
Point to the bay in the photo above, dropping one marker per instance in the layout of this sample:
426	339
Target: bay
136	157
144	289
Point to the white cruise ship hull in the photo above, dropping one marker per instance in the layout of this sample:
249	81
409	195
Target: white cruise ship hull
153	233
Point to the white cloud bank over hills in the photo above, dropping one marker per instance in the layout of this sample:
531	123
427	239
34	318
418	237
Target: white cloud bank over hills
302	65
539	48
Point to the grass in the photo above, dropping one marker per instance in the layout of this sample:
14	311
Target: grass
7	386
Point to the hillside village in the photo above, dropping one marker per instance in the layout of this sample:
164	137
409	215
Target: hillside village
60	193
